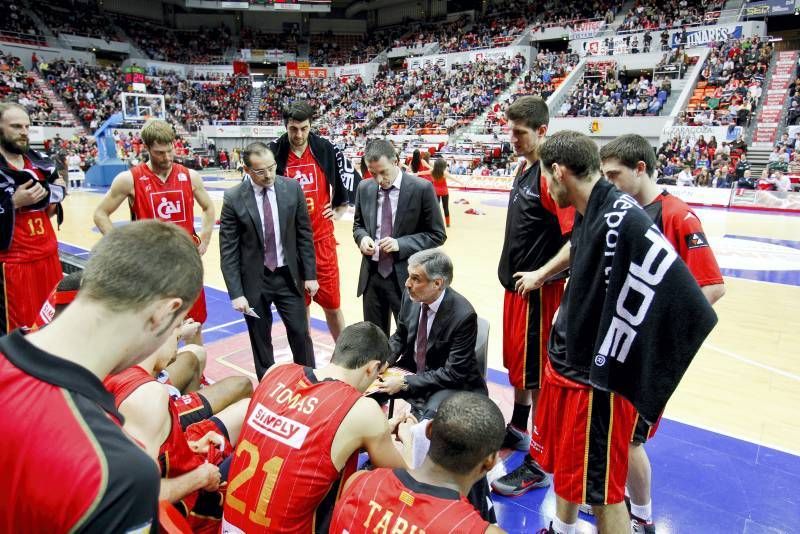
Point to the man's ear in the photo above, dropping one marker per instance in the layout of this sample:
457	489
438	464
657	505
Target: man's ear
489	462
428	430
163	313
542	130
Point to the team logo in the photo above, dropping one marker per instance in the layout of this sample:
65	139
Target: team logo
169	206
182	177
306	176
278	427
599	360
696	240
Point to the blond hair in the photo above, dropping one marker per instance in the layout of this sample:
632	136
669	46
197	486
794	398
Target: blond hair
157	131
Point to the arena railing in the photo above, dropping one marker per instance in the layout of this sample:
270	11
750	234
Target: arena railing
23	38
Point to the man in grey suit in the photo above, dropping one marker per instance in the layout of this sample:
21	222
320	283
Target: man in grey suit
396	216
267	255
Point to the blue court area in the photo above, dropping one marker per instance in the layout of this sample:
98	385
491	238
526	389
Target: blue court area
703	482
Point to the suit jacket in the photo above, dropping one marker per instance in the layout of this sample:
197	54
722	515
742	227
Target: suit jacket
241	238
418	223
450	361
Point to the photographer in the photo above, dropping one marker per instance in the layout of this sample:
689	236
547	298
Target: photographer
28	246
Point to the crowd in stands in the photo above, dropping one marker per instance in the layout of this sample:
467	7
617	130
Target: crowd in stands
495	30
252	38
195	103
64	17
730	85
602	93
703	163
447	100
203	45
89	90
15	25
661	14
793	105
542	78
17	84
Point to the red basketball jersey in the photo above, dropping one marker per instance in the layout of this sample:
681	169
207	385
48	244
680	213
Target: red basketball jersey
282	469
386	500
683	229
175	458
34	237
170	201
307	171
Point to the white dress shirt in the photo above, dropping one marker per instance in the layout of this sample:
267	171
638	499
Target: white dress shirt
433	307
394	196
276	224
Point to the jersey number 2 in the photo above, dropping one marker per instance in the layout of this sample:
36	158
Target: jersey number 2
271	469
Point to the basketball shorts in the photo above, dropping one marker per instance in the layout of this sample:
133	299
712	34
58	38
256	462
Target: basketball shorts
644	432
198	310
25	288
328	295
582	435
192	408
526	329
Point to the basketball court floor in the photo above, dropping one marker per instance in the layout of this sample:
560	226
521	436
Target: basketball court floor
726	458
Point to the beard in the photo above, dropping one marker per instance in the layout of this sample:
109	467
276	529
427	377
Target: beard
15	147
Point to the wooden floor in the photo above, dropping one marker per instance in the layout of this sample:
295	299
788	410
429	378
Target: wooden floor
744	383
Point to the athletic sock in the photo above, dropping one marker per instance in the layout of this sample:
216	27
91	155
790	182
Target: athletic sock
519	418
643	512
559	527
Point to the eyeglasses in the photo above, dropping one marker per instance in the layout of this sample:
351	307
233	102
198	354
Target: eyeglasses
263	172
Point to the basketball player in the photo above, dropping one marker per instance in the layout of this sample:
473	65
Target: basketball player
465	435
77	470
29	266
629	162
616	346
182	377
327	178
161	189
189	481
532	264
303	431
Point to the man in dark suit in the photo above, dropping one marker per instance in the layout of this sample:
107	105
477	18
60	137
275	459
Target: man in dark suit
396	216
270	258
435	337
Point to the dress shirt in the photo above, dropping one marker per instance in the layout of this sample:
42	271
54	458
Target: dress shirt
433	307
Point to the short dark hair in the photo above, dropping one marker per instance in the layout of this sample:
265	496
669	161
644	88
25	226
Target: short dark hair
258	148
630	149
299	110
378	148
142	262
466	429
572	149
530	110
359	344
